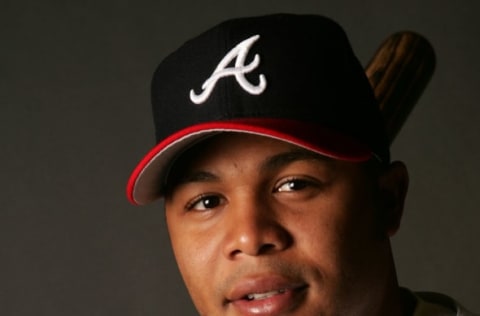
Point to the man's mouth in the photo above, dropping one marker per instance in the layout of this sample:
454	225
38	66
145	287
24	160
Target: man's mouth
261	296
267	296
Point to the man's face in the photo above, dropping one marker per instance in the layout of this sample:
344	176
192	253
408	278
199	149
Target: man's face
262	227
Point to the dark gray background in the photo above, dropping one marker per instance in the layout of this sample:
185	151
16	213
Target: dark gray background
75	119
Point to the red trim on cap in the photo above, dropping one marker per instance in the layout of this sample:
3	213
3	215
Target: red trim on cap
313	137
151	155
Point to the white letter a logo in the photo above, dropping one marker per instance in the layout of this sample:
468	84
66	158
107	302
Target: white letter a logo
239	53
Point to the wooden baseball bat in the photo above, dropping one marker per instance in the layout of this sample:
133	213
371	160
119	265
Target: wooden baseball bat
399	72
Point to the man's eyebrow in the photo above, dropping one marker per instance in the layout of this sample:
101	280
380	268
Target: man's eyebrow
285	158
271	163
196	176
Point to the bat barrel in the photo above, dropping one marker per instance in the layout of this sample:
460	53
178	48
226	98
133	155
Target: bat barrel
399	72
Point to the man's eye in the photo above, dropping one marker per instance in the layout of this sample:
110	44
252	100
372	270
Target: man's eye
204	203
292	185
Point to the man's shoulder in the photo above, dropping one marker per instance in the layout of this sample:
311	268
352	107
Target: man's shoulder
436	304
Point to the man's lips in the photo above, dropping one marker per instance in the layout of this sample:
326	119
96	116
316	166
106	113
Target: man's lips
266	295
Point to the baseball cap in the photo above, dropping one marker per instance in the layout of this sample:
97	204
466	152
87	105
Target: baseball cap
284	76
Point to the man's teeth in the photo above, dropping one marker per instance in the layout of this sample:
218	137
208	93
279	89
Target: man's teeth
261	296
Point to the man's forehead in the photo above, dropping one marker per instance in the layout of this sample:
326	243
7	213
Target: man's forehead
197	164
222	144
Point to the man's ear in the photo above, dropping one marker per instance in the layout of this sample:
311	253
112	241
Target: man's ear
393	185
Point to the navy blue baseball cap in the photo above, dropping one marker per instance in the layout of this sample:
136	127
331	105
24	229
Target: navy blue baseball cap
289	77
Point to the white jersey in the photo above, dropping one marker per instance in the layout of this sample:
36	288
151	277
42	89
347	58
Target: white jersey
435	304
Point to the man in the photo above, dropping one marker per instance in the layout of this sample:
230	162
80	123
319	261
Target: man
274	166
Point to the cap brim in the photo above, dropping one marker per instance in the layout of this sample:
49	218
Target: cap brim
147	180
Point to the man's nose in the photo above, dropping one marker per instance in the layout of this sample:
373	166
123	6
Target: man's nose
254	228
